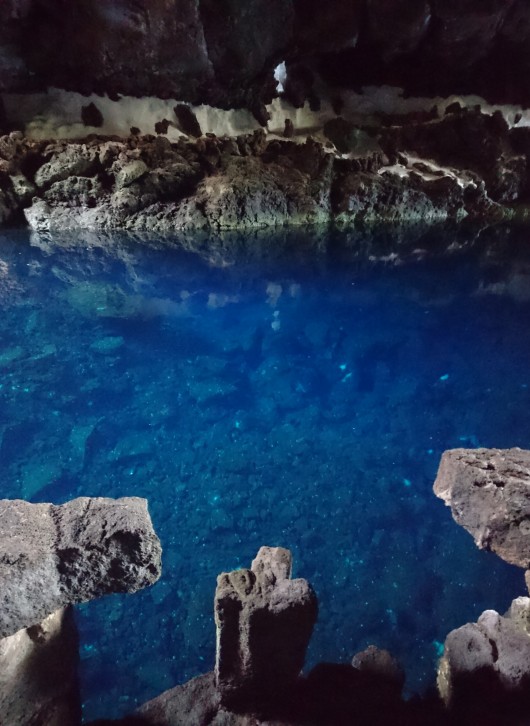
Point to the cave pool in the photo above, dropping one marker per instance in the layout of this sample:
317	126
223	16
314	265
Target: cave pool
291	389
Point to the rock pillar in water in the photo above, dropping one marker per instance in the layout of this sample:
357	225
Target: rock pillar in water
264	622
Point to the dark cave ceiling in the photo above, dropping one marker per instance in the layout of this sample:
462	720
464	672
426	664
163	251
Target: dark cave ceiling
223	52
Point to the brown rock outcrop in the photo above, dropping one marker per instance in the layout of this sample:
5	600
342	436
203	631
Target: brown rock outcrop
488	491
484	673
264	622
147	183
51	556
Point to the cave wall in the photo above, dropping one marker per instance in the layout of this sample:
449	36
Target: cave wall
223	52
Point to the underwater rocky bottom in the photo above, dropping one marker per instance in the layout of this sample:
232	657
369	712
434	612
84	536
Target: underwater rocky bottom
294	390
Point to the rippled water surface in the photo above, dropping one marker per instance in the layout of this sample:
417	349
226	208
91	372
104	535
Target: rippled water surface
297	397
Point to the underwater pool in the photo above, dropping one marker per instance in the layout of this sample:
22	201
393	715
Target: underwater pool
294	391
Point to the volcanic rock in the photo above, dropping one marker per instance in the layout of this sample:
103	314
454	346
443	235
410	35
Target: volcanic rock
38	673
264	621
381	665
51	555
91	115
397	27
485	669
288	131
203	51
161	127
187	121
488	491
248	182
72	160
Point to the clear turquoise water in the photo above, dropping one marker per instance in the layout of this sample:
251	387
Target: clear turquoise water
258	393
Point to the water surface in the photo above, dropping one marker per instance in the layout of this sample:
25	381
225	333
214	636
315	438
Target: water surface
294	391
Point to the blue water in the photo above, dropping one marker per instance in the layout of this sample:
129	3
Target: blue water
294	391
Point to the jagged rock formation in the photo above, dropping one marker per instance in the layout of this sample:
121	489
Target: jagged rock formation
224	54
388	174
52	556
489	495
484	673
264	622
38	674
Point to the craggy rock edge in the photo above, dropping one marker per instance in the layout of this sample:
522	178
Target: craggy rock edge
488	491
483	676
52	556
466	164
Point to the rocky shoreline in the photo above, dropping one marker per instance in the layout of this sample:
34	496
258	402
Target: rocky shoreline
465	165
264	620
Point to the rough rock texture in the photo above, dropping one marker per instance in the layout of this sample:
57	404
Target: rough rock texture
51	556
485	669
382	665
488	491
468	139
437	48
196	702
264	621
187	121
225	52
38	674
248	182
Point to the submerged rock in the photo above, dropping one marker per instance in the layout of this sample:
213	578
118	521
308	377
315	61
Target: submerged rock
55	555
488	491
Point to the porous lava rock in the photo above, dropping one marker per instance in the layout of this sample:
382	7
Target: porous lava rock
488	491
468	139
264	621
484	673
147	183
51	556
38	674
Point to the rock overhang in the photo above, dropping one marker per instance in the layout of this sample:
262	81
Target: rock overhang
225	54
